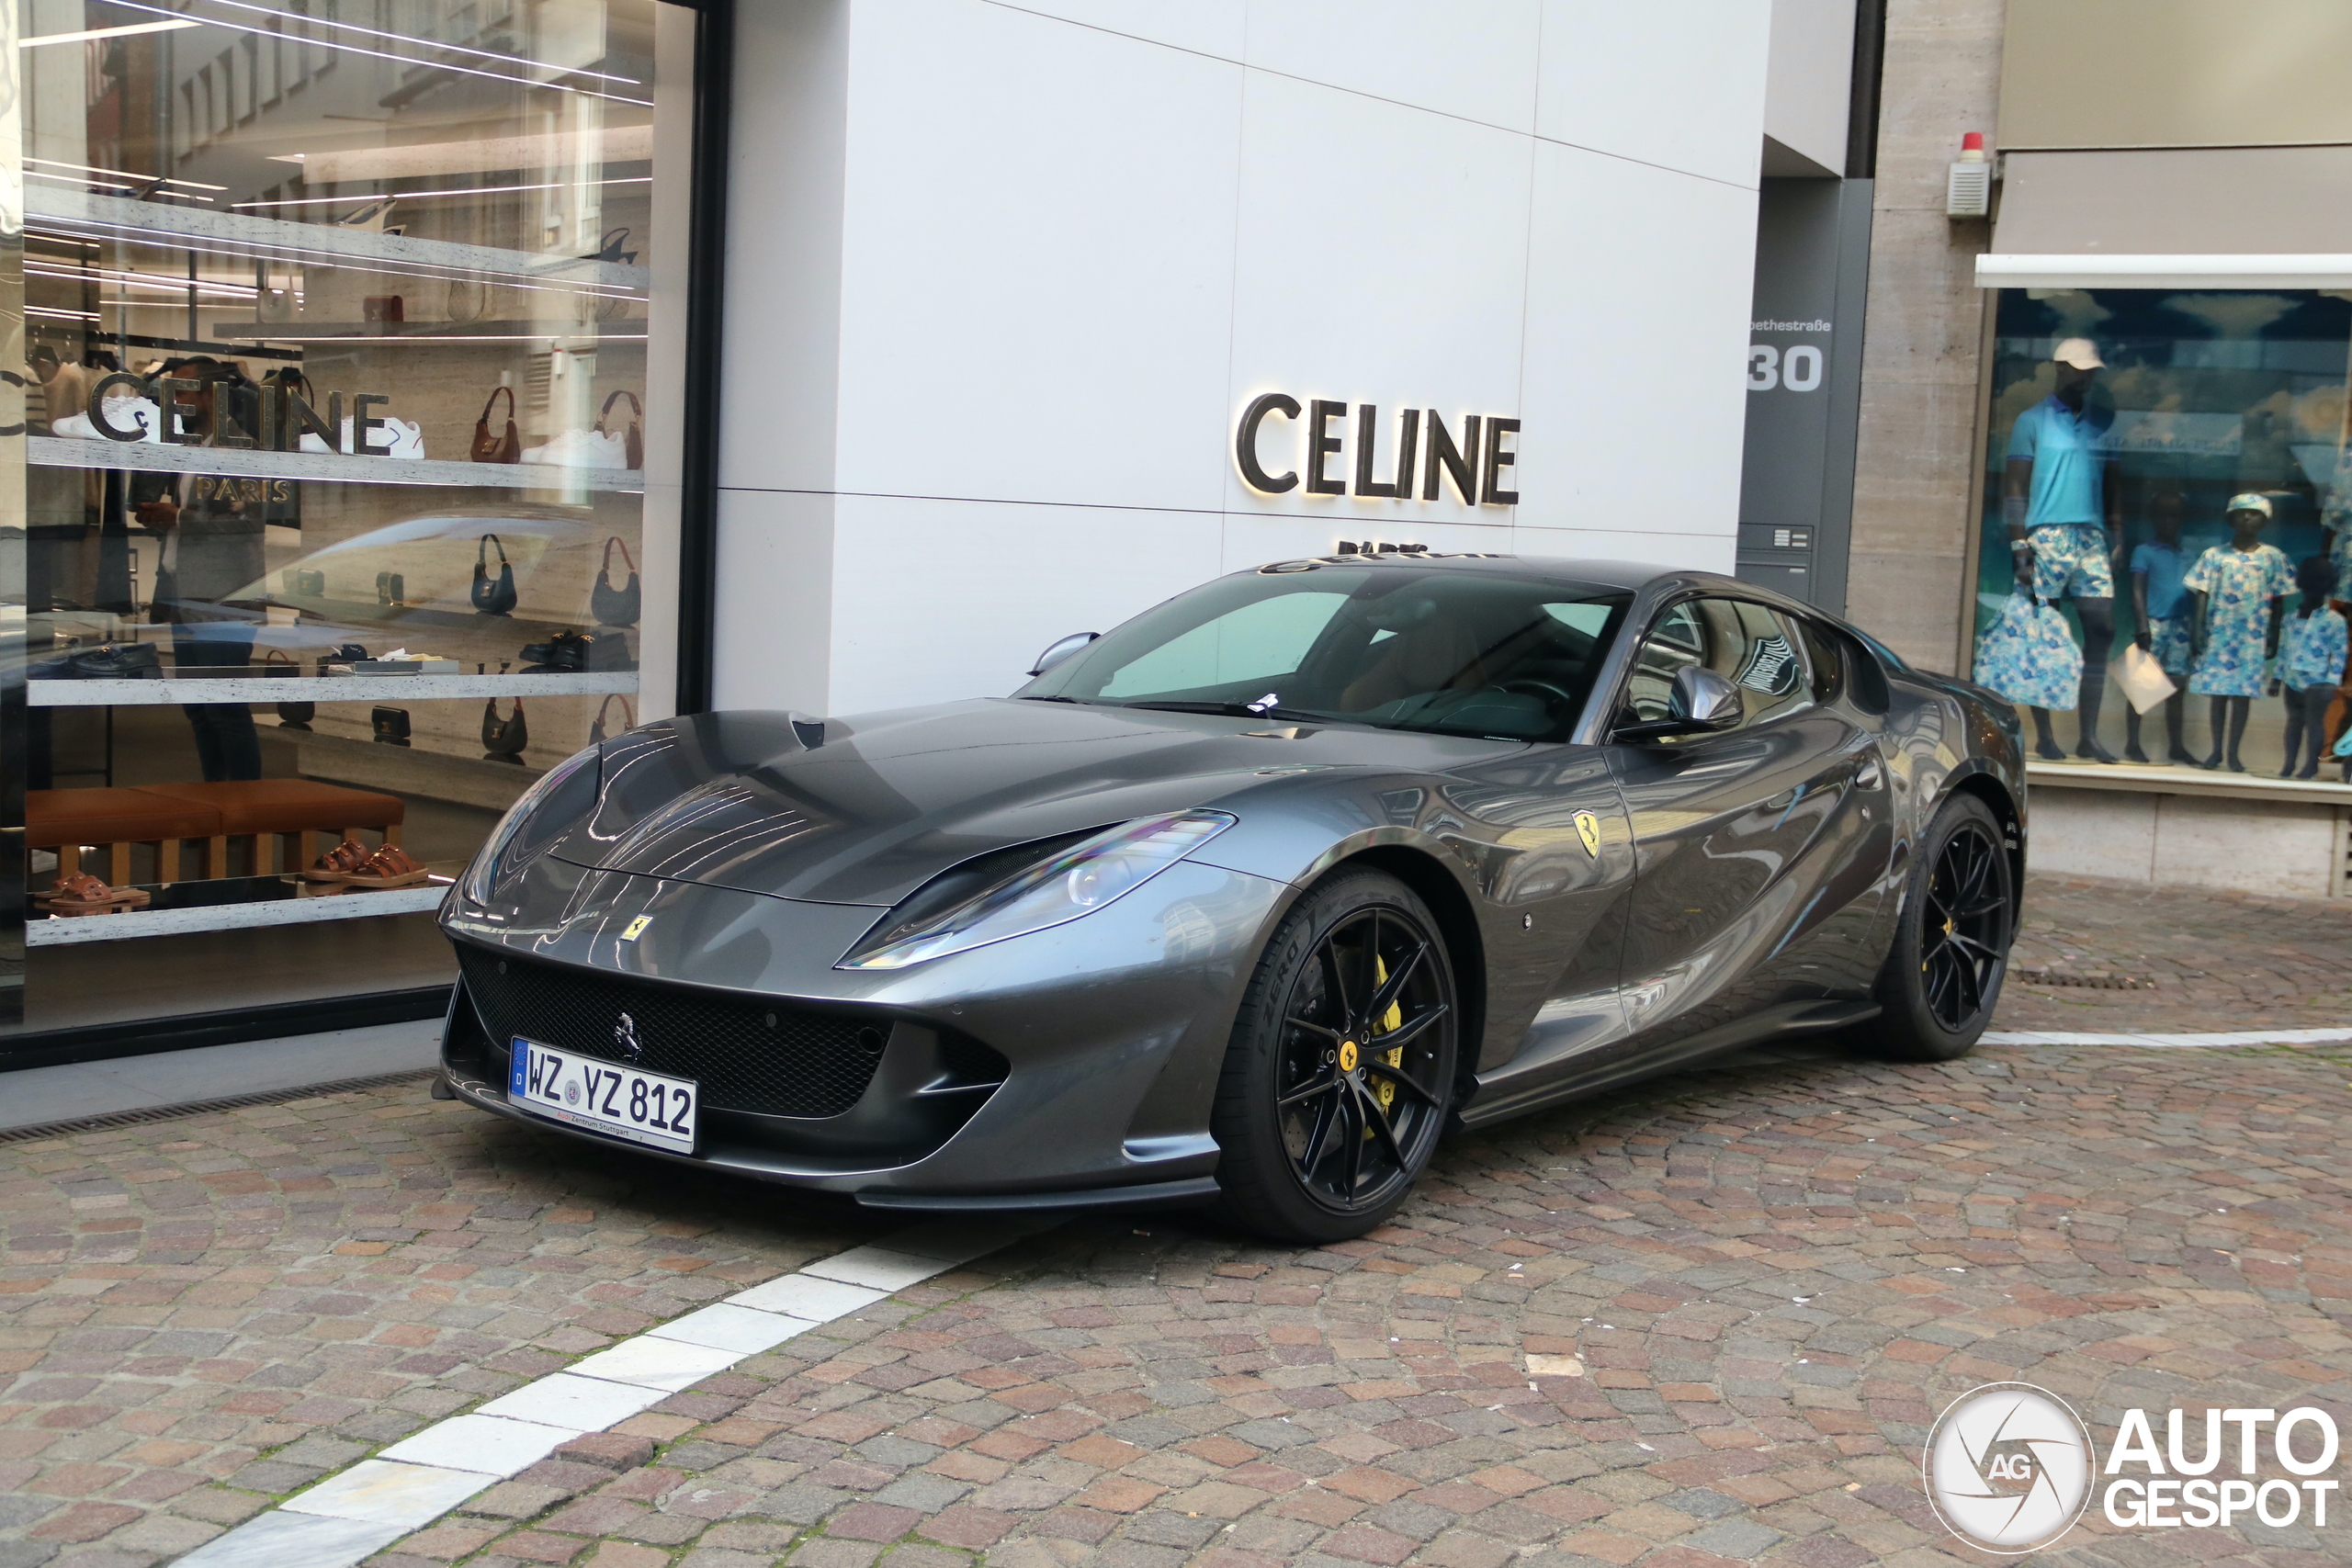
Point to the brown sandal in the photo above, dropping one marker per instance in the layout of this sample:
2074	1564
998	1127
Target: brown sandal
340	863
389	866
83	894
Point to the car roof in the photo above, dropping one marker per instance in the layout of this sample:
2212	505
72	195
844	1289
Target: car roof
1651	578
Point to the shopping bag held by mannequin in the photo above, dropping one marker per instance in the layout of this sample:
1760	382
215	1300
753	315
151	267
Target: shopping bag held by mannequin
2145	683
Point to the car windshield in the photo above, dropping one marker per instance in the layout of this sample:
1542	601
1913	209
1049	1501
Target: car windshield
1454	651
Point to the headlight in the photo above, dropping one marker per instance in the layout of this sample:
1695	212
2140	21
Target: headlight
1078	881
523	833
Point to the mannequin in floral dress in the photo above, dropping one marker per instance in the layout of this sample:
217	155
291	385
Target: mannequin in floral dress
2235	625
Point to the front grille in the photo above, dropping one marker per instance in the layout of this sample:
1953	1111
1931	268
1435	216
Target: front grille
748	1055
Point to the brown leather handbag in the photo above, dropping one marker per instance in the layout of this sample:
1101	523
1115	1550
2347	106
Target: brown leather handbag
636	425
489	448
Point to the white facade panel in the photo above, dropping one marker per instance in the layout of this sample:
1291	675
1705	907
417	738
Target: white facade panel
1475	61
1037	260
1680	85
1629	405
1219	28
1070	240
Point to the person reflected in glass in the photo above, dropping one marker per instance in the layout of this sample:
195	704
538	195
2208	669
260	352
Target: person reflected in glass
2237	590
210	546
2063	511
2311	663
2160	623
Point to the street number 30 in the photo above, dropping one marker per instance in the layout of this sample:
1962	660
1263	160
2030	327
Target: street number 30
1799	370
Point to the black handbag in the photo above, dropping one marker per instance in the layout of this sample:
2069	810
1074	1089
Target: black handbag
596	727
107	661
290	716
573	653
493	595
505	738
616	607
390	726
392	588
305	584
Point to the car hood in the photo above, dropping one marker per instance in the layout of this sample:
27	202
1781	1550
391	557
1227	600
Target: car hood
866	810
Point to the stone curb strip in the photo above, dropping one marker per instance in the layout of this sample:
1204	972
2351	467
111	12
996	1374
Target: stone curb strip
360	1511
2257	1037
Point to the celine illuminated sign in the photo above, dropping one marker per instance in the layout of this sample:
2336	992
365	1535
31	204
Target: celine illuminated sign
1475	465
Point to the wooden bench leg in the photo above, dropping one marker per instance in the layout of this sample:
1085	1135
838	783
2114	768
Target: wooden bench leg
216	855
309	848
118	864
69	860
393	833
167	861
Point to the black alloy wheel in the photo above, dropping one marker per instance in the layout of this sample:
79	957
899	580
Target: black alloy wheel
1965	926
1951	941
1338	1081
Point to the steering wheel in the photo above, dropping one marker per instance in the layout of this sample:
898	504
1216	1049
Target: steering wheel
1529	685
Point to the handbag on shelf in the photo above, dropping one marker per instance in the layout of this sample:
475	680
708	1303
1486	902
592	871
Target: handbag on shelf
616	607
392	588
490	448
390	726
2028	656
573	653
608	249
597	726
304	584
633	448
493	595
290	716
505	738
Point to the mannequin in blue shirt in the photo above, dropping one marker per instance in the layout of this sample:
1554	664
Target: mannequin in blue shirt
2063	512
2160	623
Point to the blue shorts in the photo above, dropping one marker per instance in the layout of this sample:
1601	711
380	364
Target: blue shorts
2168	642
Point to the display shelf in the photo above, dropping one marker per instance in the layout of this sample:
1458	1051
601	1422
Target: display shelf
289	903
2135	778
276	239
146	457
320	689
627	329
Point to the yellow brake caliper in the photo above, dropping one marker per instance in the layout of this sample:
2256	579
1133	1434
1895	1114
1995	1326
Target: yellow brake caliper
1383	1090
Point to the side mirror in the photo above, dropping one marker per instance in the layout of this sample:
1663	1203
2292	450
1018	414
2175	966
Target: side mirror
1702	702
1061	650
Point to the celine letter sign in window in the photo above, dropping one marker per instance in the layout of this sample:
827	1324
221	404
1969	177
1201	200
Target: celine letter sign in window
1473	464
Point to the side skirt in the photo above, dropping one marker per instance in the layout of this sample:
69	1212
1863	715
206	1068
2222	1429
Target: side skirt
1787	1021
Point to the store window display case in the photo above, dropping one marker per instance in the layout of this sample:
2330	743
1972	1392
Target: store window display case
345	329
2164	559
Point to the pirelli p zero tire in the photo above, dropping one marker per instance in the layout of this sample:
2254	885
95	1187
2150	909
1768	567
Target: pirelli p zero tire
1952	943
1340	1070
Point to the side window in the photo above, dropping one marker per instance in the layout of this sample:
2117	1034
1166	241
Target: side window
1828	656
1746	644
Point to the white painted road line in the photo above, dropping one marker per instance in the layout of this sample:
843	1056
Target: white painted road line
359	1511
2210	1041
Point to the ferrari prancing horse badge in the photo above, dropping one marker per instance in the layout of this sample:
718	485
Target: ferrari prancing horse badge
1588	830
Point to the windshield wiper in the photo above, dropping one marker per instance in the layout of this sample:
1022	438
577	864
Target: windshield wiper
1243	710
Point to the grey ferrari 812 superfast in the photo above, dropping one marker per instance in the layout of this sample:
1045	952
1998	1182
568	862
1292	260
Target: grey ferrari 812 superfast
1248	900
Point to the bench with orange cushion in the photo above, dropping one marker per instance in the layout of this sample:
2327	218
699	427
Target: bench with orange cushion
162	815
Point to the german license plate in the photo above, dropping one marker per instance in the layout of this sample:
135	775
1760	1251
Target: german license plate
604	1097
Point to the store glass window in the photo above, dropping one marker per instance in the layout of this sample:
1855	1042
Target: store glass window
2166	564
347	347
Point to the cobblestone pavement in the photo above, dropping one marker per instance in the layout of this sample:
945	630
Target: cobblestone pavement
1704	1320
2200	960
